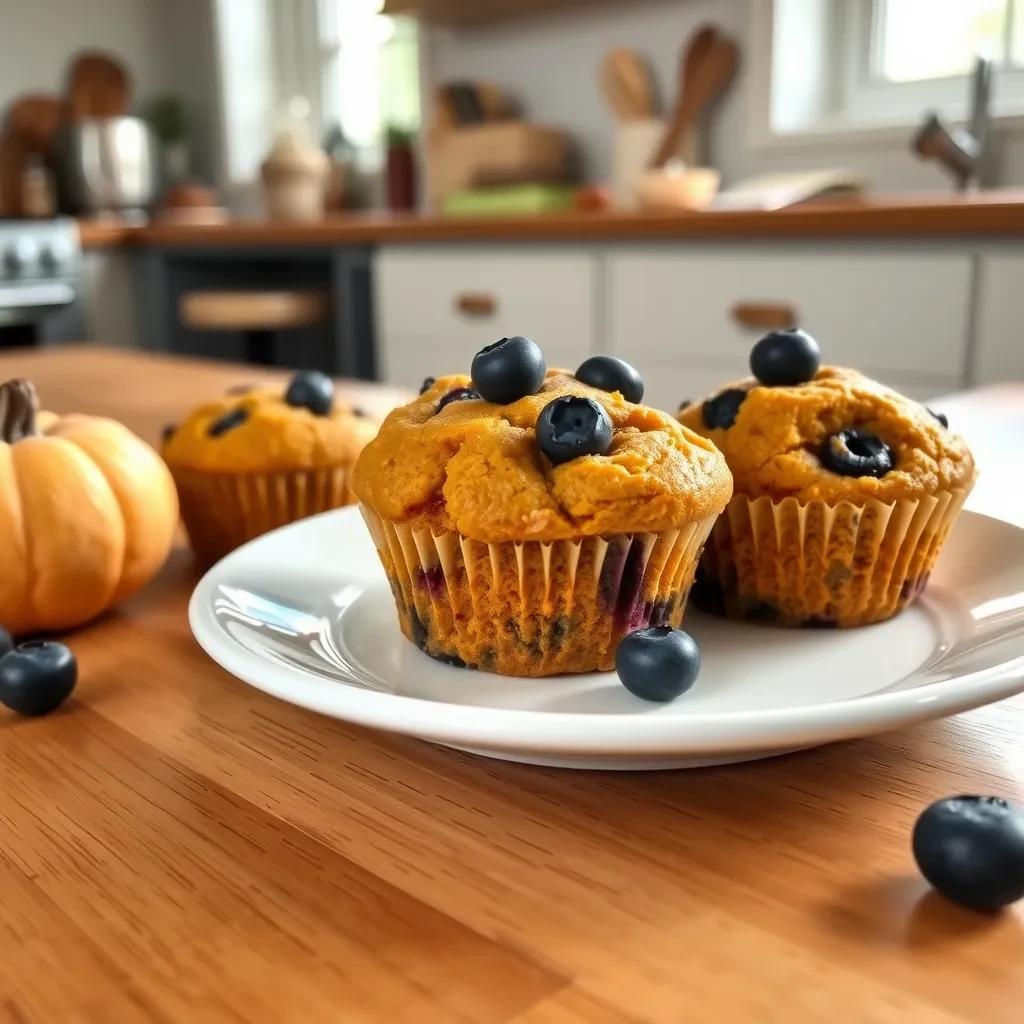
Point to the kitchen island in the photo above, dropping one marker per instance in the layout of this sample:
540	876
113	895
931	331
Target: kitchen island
179	846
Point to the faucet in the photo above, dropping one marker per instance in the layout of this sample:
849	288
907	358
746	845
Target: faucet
963	152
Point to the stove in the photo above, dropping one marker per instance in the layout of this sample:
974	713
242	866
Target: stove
40	270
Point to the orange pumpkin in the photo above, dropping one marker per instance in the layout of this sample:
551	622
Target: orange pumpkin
88	513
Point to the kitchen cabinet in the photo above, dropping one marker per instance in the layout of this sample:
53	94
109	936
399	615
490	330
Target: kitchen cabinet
998	342
899	315
436	306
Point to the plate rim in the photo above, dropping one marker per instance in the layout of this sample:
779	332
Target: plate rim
581	733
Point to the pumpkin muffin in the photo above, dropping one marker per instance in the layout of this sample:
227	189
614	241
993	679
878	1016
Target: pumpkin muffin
255	459
845	491
526	519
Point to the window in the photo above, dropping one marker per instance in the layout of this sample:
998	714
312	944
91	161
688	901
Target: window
842	65
370	70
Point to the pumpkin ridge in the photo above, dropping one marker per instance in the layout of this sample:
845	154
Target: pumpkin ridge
26	541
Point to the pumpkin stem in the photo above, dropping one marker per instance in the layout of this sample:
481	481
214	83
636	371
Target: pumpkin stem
18	407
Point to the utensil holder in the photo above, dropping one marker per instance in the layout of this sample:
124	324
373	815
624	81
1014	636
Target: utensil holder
632	150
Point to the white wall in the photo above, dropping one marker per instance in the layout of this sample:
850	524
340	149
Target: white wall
550	62
165	44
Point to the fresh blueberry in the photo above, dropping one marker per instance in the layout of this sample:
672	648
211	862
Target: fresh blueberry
456	395
856	453
428	383
37	677
940	416
785	357
312	390
720	412
6	643
508	370
611	374
658	663
971	848
569	427
231	419
168	432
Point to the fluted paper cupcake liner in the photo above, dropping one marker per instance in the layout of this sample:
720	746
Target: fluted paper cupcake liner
815	564
224	510
534	608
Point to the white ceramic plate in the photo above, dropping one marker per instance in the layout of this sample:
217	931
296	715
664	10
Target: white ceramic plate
305	614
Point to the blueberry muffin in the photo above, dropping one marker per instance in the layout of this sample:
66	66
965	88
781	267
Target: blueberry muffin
528	518
253	460
845	491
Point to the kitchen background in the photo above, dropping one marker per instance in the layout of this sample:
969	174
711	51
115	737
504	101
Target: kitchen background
244	95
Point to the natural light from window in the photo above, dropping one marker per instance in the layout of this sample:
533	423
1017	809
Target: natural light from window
923	39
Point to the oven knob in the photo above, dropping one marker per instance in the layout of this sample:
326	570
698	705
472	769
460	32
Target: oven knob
55	256
20	255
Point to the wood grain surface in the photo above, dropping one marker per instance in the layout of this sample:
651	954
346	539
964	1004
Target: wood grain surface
999	212
175	846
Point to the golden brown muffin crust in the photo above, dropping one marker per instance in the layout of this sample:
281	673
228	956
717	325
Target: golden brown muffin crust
772	446
476	468
274	436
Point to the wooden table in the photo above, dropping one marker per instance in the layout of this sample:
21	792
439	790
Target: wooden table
175	846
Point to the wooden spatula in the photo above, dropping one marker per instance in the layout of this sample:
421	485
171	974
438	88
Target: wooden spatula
706	67
626	83
98	86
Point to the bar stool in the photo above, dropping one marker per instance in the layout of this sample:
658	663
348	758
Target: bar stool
258	315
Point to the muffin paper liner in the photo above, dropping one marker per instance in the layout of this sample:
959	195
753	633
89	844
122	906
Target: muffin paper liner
534	608
817	564
223	510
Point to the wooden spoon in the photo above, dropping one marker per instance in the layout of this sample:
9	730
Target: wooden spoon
98	86
627	85
706	68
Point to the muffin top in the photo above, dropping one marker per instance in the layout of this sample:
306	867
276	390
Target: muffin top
453	461
255	430
836	436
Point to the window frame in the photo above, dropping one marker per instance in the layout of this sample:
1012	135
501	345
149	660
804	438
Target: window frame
859	106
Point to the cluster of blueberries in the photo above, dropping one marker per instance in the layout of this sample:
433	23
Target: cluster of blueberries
567	427
37	676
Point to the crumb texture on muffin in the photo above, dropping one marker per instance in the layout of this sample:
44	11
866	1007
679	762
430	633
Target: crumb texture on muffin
476	468
773	445
264	434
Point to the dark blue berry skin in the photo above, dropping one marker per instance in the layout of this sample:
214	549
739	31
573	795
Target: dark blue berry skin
312	390
720	412
940	416
456	395
508	370
658	663
428	383
971	849
856	453
783	358
231	419
6	642
569	427
611	374
37	677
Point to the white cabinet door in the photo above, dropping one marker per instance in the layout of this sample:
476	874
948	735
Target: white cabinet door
901	316
437	306
999	341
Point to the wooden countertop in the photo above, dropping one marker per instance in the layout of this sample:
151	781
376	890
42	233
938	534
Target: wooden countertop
177	846
996	213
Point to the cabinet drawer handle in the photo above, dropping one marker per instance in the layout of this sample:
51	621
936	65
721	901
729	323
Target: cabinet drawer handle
476	304
764	315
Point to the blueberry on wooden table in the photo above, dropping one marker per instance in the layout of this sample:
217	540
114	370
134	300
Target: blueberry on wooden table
783	358
658	663
508	370
856	453
720	412
971	849
569	427
6	643
611	374
312	390
456	395
37	677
